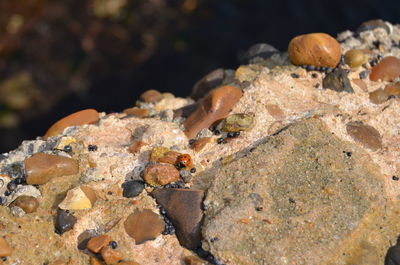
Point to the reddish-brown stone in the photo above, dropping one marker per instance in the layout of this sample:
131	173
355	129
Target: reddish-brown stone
95	244
364	134
393	89
378	96
386	70
27	203
151	96
318	49
95	261
87	116
160	174
128	263
143	225
207	83
110	256
215	106
40	167
199	144
183	208
141	113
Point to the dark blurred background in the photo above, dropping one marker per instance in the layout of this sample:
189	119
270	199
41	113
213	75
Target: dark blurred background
60	56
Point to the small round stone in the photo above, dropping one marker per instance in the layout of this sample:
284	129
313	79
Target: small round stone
318	49
132	188
378	96
151	96
27	203
113	244
11	186
160	174
386	70
393	89
355	58
238	122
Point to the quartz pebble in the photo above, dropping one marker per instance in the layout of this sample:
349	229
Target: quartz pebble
27	203
386	70
65	221
355	58
378	96
40	167
143	225
207	83
110	256
238	122
317	49
183	208
160	174
87	116
337	81
364	134
79	198
132	188
215	106
95	244
5	248
151	96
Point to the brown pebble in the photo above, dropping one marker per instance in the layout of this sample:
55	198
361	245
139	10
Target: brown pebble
355	58
151	96
163	155
128	263
95	244
27	203
87	116
136	146
215	106
318	49
95	261
160	174
193	260
361	84
386	70
40	167
207	83
183	208
199	144
141	113
5	248
393	89
110	256
378	96
364	134
143	225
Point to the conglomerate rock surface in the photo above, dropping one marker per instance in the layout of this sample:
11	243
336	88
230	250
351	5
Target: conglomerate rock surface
310	177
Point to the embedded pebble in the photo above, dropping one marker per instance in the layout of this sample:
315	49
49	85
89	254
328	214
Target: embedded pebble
64	222
355	58
27	203
160	174
143	225
87	116
199	144
364	134
216	105
5	248
183	208
393	89
136	146
337	81
378	96
373	24
238	122
163	155
95	261
132	188
151	96
40	167
95	244
257	51
207	83
141	113
317	49
79	198
110	256
386	70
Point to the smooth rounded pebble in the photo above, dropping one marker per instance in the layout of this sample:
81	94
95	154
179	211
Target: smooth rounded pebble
366	135
355	58
386	70
95	244
143	225
160	174
27	203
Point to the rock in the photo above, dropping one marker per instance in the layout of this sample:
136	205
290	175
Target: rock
143	225
136	146
393	89
386	70
151	96
256	52
185	111
207	83
40	168
183	208
364	134
378	96
317	49
84	238
132	188
87	116
373	24
95	244
110	256
95	261
193	260
138	112
5	249
79	198
128	263
199	144
238	122
64	222
355	58
163	155
337	81
213	107
393	254
160	174
27	203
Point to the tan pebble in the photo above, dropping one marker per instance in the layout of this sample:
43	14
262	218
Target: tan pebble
355	58
143	225
95	244
79	198
27	203
136	146
215	106
318	49
386	70
393	89
5	248
361	84
95	261
378	96
151	96
141	113
364	134
193	260
110	256
238	122
199	144
87	116
160	174
40	167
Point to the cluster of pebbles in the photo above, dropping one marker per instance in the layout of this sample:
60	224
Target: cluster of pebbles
122	188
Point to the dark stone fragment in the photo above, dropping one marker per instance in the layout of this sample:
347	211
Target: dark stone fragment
338	81
260	50
183	208
7	193
393	254
314	75
364	74
185	111
395	178
132	188
84	237
92	148
11	186
113	244
220	140
373	24
206	255
294	75
207	83
67	149
64	222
